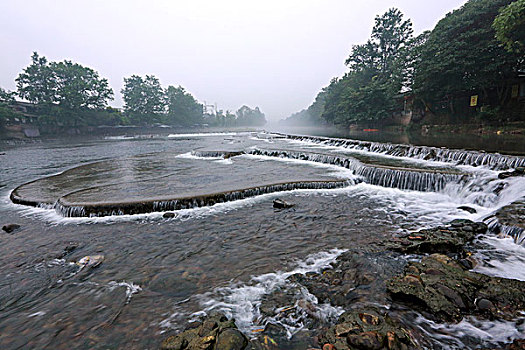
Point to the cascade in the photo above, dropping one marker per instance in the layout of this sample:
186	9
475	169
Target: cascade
493	161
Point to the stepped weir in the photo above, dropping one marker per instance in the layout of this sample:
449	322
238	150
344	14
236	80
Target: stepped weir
165	182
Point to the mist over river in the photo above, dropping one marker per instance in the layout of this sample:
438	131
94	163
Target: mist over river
226	248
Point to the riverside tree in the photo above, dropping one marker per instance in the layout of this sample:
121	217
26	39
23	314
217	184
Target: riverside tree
509	25
67	84
463	56
375	74
144	99
247	116
183	108
36	83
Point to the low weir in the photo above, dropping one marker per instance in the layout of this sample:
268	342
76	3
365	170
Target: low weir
175	183
68	209
492	161
423	180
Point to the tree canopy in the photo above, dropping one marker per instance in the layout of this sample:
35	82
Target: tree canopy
510	26
144	100
462	54
376	73
477	49
247	116
67	84
183	108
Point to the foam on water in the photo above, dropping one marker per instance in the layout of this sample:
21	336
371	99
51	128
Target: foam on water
131	288
470	330
242	301
205	134
500	257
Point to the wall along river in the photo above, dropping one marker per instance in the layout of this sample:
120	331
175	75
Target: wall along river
227	249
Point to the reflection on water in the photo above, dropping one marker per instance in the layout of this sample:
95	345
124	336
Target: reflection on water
505	143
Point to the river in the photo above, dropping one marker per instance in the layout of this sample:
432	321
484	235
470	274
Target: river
226	253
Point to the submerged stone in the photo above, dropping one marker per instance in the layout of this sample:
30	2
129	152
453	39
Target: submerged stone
10	228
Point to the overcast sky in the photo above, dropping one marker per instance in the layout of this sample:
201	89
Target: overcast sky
275	54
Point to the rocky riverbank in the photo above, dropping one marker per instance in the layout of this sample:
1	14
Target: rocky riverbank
436	282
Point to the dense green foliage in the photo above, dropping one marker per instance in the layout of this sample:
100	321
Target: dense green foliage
66	84
66	93
377	73
69	94
475	50
183	108
247	116
144	99
510	26
462	55
6	98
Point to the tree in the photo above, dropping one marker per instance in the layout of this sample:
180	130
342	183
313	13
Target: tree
183	108
376	76
79	88
144	99
509	25
6	98
250	117
36	83
462	55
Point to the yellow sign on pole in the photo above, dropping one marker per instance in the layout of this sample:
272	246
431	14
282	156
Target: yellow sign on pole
515	91
473	101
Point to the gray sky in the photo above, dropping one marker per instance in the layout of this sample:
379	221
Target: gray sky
275	54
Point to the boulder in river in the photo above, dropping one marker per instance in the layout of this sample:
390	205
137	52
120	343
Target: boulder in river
281	204
520	171
468	209
10	228
168	215
90	261
443	239
215	332
442	286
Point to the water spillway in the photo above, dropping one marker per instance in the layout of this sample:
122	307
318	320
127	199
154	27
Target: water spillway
493	161
415	178
164	181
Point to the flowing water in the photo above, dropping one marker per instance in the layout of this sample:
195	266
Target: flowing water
227	249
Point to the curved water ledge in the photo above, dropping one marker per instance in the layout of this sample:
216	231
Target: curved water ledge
493	161
424	180
71	209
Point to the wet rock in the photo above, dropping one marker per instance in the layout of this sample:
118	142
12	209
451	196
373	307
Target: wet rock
512	215
90	261
443	287
281	204
367	327
444	239
231	339
215	332
10	228
518	344
484	304
168	215
520	171
366	340
468	209
71	247
228	155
